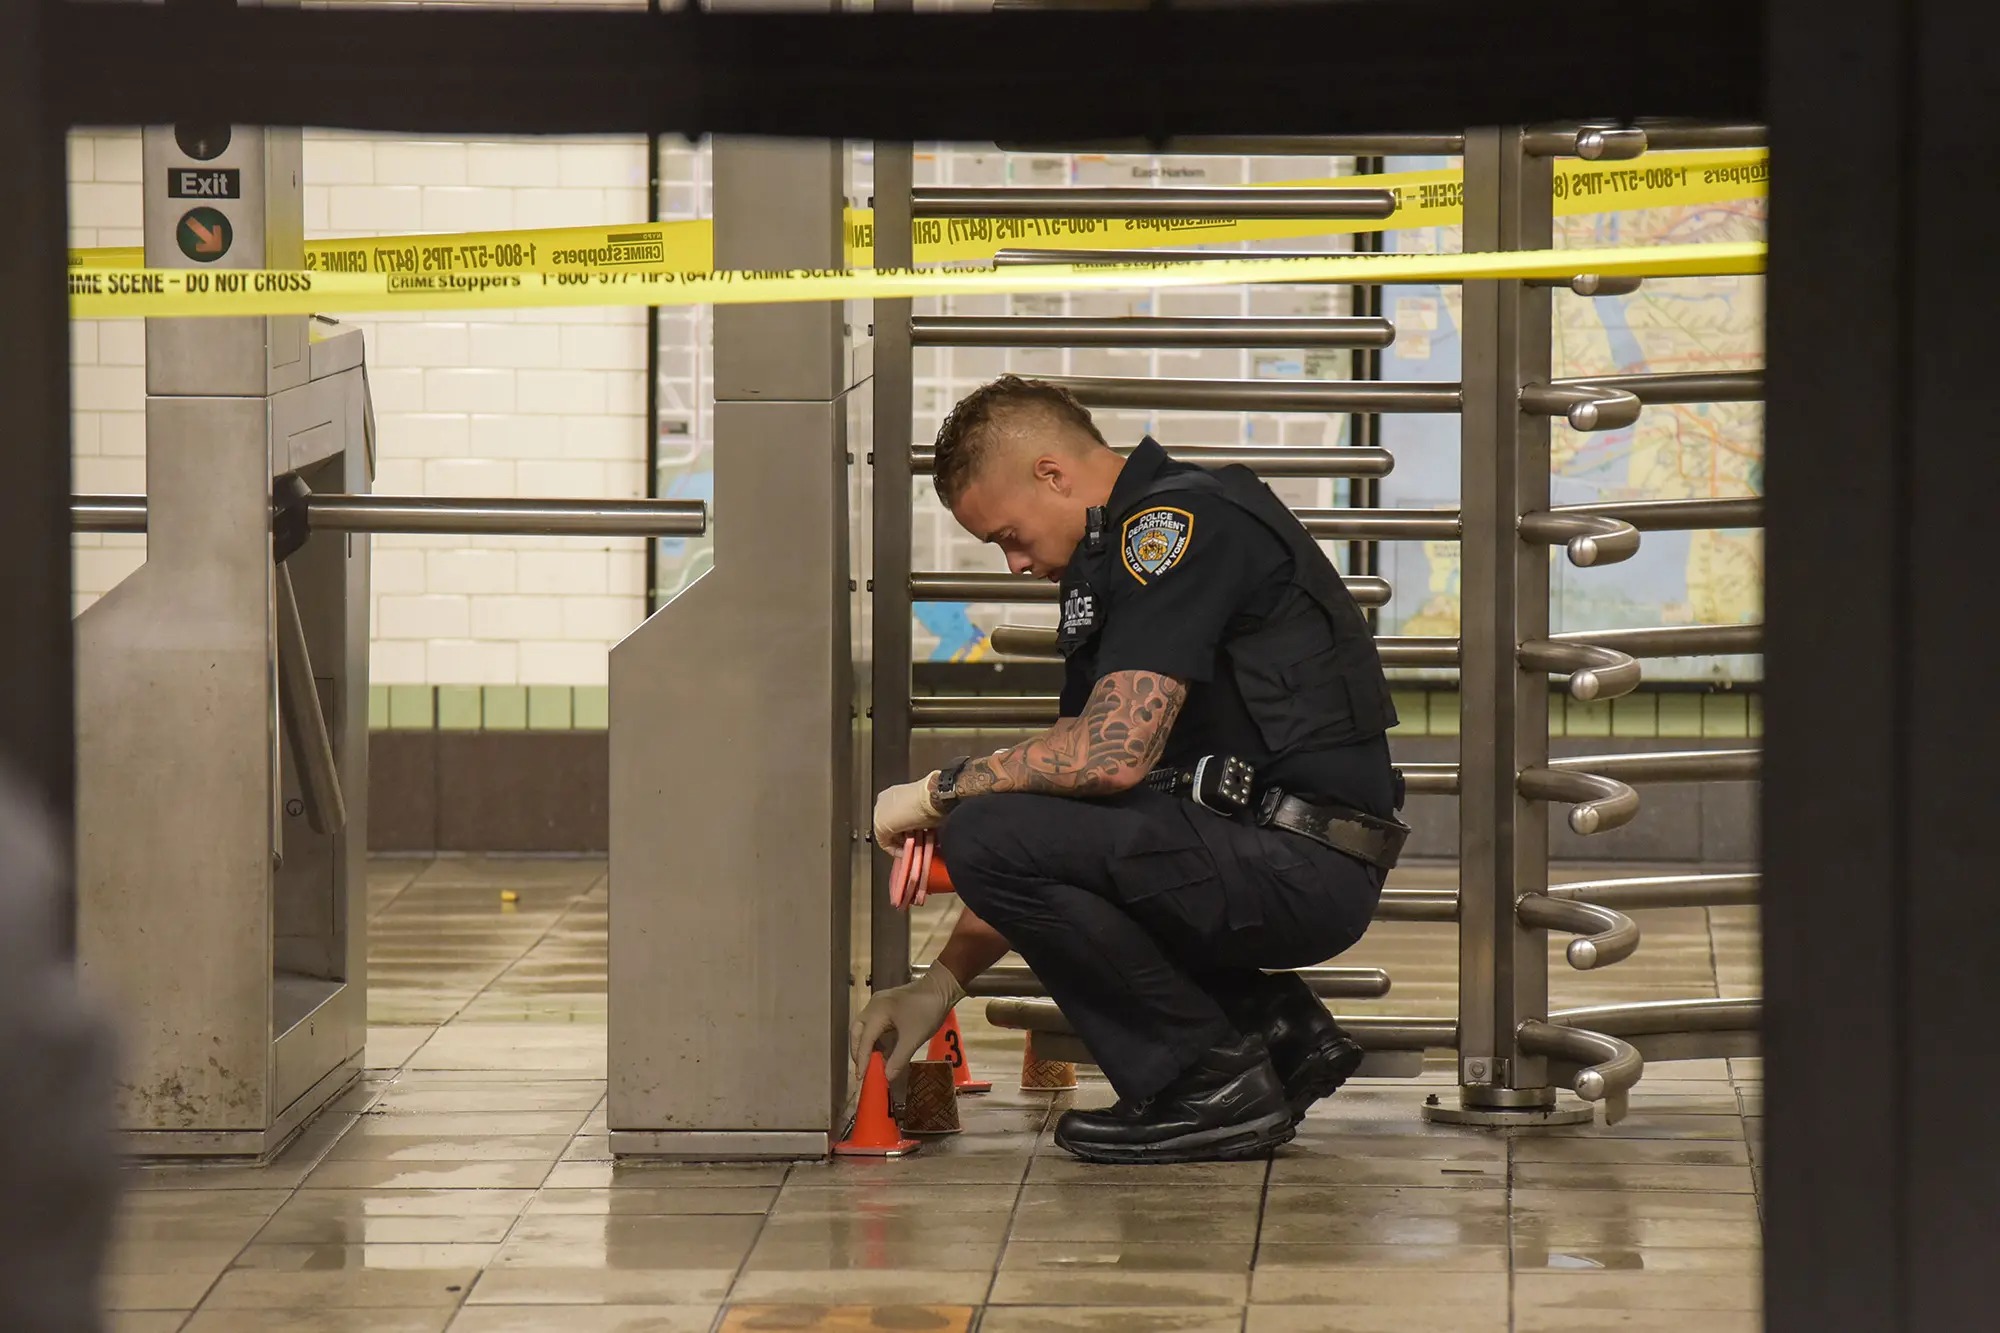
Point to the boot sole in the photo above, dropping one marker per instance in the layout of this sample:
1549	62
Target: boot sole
1229	1143
1321	1074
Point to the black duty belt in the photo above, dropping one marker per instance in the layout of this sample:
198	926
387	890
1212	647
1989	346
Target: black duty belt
1228	786
1379	842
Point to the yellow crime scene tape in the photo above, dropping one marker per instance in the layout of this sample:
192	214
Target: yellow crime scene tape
1423	199
104	293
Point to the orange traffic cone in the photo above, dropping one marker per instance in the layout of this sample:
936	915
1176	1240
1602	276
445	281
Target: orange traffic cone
875	1133
1044	1075
949	1046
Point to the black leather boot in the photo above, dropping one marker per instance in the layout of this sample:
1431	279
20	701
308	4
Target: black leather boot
1313	1054
1227	1106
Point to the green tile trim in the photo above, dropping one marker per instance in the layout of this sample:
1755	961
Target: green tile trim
1587	719
410	707
378	708
1756	715
1444	706
506	707
590	708
1412	712
1680	714
458	708
1635	715
1725	715
548	707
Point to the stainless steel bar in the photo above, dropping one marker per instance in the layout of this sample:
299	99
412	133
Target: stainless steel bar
1673	640
1016	981
1386	1032
1010	258
1009	588
1592	672
1733	386
1039	643
1403	525
1590	539
1665	135
1678	515
550	518
1168	201
1375	1032
1417	905
1264	145
1304	460
1592	284
972	710
1648	1017
1610	1066
305	720
1431	779
1720	890
1263	395
1412	650
1035	642
1599	803
1137	331
890	495
438	514
1592	143
1585	406
941	587
1583	284
1667	766
1605	936
107	513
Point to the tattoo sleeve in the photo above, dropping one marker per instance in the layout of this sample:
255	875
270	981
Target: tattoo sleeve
1115	742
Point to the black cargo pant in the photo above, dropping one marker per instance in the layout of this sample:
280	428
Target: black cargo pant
1148	917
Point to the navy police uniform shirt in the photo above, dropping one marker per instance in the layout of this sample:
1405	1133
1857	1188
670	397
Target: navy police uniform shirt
1168	581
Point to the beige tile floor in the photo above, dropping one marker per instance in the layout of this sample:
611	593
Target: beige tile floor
465	1182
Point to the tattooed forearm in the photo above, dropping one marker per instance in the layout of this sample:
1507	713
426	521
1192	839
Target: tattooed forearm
1115	742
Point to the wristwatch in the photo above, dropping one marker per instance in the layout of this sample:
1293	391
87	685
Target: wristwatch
947	783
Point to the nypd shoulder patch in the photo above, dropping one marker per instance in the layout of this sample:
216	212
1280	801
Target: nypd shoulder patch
1154	540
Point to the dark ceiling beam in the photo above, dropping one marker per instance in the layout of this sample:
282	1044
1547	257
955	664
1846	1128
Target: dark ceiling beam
1409	65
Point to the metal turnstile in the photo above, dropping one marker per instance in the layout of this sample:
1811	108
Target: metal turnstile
222	689
1512	1053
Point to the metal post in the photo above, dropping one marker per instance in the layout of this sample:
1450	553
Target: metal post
889	584
732	757
1504	599
37	740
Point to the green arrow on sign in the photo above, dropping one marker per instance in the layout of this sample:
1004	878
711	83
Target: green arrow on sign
204	235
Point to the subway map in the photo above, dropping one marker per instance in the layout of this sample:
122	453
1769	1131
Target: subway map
1672	452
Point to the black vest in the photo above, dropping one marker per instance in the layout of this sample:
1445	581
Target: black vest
1309	674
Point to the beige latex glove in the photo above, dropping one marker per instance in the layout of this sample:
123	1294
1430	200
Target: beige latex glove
902	810
915	1012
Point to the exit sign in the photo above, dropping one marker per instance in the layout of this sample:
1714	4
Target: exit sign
205	183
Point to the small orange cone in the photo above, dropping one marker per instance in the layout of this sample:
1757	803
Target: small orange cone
1044	1075
949	1046
875	1133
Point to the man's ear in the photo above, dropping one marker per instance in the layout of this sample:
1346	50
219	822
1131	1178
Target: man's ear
1050	472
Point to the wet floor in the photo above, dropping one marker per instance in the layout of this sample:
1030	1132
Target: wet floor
466	1183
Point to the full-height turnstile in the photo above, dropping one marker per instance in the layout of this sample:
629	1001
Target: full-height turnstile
1512	1053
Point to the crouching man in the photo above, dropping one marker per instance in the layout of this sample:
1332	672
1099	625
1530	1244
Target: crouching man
1216	799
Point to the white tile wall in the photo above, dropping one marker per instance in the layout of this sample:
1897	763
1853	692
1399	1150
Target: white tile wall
502	403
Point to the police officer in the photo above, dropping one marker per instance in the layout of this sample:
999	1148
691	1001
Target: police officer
1216	799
